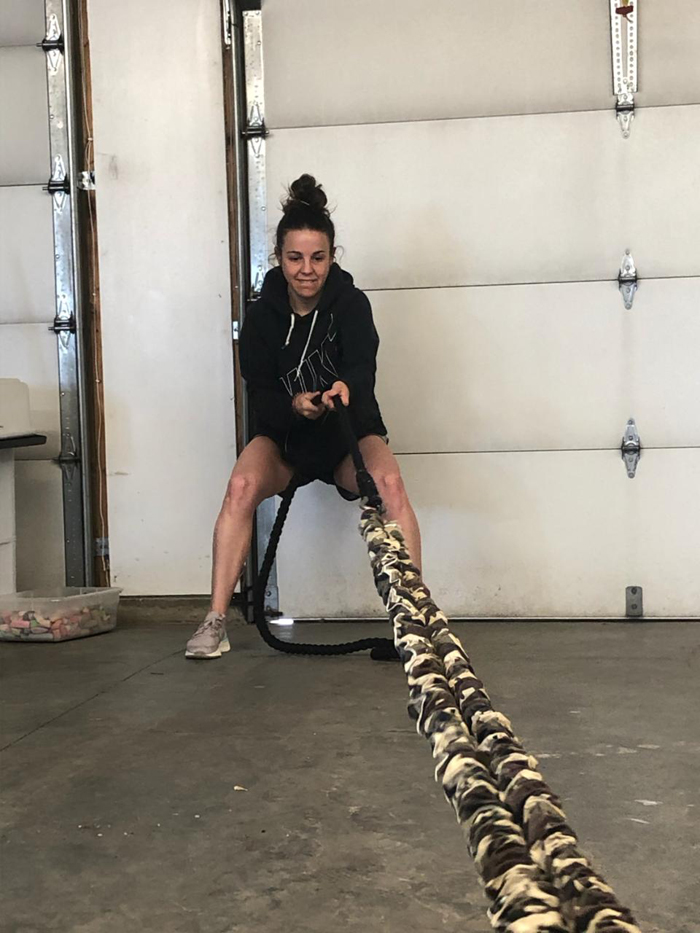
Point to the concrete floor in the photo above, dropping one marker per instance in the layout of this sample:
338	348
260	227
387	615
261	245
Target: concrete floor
259	792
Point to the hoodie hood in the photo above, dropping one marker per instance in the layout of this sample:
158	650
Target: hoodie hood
275	291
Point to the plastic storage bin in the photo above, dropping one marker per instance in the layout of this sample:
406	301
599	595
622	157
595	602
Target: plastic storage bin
58	614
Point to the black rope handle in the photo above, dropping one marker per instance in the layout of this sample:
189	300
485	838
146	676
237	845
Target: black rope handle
382	649
365	483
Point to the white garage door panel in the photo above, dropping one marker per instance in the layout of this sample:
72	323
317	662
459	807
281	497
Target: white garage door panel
40	550
539	367
552	535
28	352
669	63
554	197
454	58
24	142
21	22
461	58
26	256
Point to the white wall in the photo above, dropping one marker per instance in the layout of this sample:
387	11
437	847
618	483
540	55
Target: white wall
165	286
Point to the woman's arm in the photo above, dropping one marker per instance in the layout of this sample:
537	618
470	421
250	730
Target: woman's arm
358	344
270	401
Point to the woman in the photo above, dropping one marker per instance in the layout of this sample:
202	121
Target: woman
309	338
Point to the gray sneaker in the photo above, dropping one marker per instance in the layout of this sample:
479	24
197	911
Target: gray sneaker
210	640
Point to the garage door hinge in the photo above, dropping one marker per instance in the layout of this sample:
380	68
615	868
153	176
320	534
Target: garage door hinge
627	279
625	113
64	321
58	186
631	448
69	457
53	44
255	127
62	325
634	603
59	183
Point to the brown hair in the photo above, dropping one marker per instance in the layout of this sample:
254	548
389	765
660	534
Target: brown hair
305	209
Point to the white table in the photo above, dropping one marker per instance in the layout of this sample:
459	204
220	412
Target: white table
8	529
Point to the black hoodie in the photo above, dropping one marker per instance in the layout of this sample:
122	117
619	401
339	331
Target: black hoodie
283	353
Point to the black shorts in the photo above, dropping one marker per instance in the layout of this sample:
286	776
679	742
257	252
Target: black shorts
317	455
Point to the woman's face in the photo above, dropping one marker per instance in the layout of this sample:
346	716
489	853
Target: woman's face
305	259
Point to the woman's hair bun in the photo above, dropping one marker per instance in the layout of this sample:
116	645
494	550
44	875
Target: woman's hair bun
305	209
305	191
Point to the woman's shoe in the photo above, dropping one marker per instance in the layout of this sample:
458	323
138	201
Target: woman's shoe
210	640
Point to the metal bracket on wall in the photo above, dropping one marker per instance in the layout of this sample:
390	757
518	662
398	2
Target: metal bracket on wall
86	181
631	448
634	602
623	37
66	325
627	279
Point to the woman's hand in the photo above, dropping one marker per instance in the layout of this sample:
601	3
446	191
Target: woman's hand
303	405
337	389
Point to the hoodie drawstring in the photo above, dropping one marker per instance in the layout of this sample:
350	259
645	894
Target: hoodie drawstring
291	328
303	355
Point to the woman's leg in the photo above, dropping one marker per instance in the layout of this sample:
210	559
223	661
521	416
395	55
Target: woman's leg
384	469
259	472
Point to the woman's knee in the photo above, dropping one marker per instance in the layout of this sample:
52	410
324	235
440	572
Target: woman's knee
392	490
242	493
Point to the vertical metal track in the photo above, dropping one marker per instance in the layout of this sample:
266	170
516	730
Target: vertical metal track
233	49
234	44
255	133
243	41
62	188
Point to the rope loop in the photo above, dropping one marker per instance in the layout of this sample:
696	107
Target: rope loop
382	649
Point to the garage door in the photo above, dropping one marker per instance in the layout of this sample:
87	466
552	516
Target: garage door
485	199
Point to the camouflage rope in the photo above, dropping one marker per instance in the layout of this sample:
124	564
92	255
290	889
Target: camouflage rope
526	854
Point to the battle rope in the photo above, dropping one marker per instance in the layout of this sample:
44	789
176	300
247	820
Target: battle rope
382	649
526	854
535	877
